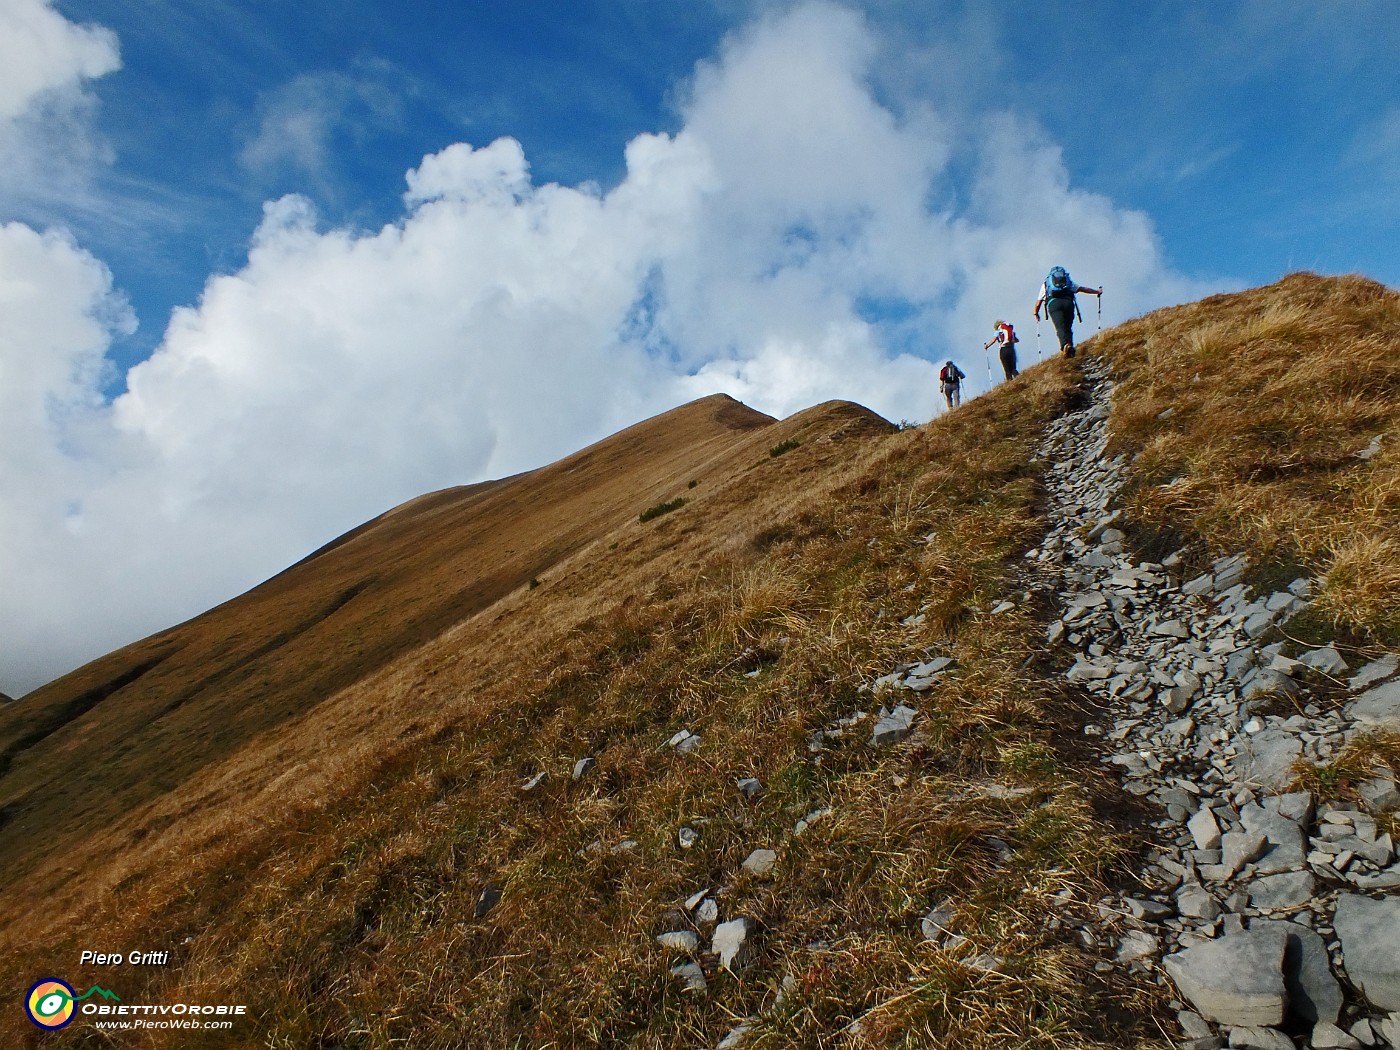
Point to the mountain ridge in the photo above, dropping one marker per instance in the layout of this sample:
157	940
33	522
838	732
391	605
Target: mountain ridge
676	722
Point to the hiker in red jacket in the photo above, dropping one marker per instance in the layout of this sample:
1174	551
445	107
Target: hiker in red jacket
950	378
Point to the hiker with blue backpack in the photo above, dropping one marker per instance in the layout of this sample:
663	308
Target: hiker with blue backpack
1057	295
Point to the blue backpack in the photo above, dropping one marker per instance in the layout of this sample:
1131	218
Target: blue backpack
1057	283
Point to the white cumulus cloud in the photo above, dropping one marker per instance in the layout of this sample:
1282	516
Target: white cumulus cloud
800	237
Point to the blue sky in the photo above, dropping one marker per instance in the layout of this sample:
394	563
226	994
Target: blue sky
269	269
1260	137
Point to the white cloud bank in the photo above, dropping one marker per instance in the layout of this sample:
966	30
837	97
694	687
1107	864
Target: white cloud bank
784	246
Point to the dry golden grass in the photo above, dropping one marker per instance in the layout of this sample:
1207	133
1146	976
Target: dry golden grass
324	866
334	892
1271	394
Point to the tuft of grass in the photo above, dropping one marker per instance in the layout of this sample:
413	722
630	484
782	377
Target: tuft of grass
659	509
783	447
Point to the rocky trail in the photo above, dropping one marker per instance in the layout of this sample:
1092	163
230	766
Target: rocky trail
1272	915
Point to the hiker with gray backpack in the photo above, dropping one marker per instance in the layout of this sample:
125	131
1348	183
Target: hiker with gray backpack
1057	295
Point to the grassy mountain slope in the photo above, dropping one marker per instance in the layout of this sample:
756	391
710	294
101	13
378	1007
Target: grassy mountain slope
81	753
324	865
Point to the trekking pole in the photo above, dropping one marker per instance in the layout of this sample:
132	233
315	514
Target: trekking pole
1100	299
987	356
1038	355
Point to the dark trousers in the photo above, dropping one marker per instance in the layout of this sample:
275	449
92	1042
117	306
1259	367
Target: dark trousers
1008	359
1061	312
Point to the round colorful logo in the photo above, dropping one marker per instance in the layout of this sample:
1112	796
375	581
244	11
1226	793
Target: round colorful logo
50	1003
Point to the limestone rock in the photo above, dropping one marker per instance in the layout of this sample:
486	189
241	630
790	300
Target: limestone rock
1327	1036
1236	980
1266	759
730	943
1370	934
1314	994
760	862
1381	794
1375	671
736	1037
1258	1037
1325	660
678	941
691	976
1379	706
1290	889
1205	830
893	726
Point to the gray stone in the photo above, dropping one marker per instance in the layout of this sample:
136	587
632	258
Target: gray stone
678	941
1363	1031
1389	1029
1238	848
1186	684
1375	671
1296	806
582	766
1087	671
1381	794
1287	842
730	943
1257	1037
687	837
1314	994
1205	831
1197	902
1172	629
935	925
893	726
1258	623
737	1037
1290	889
690	975
1194	1025
1055	633
749	787
1325	660
1268	681
1327	1036
1148	911
929	668
1379	706
1266	759
760	862
1370	934
1136	944
1200	585
533	782
1236	980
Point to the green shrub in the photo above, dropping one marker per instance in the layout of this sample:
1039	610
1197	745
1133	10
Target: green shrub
783	446
660	509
